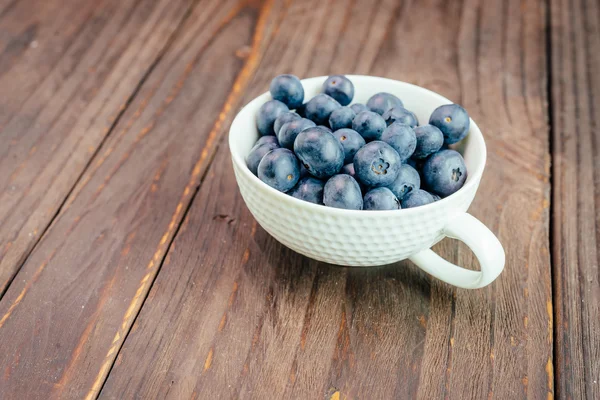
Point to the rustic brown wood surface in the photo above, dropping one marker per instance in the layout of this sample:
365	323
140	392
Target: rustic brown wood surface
576	196
235	313
89	275
68	70
131	268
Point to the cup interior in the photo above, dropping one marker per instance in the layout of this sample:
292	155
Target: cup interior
243	133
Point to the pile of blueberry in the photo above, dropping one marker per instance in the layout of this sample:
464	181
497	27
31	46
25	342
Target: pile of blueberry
372	156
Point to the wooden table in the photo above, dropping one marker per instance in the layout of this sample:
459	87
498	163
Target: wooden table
131	268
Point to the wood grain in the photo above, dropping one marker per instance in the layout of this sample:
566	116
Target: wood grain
576	196
234	314
63	319
68	69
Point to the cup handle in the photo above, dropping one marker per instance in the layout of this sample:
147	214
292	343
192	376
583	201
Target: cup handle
484	244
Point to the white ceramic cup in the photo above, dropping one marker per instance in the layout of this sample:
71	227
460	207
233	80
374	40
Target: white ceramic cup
370	238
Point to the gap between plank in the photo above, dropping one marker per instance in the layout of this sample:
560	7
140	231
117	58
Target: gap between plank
121	112
551	151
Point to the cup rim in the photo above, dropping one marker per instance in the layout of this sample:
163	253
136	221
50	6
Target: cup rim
473	178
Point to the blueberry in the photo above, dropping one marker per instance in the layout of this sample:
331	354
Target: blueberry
351	141
377	164
381	102
342	191
402	115
287	89
282	119
380	199
301	110
309	189
288	132
266	139
358	108
435	197
369	124
279	169
257	153
416	164
328	129
303	171
408	180
340	88
445	172
267	114
452	120
429	140
341	118
320	107
417	198
348	169
320	152
402	138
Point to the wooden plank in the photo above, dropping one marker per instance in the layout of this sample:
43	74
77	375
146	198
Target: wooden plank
63	319
235	314
67	71
576	196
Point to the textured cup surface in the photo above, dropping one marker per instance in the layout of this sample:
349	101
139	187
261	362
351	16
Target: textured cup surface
347	237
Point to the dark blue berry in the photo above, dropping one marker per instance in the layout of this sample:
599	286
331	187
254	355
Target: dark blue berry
320	152
340	88
382	102
266	139
429	140
402	138
351	141
289	131
445	172
341	118
377	164
417	198
380	199
287	89
257	153
358	108
282	119
320	107
279	169
301	110
349	170
453	121
342	191
416	164
369	124
267	114
408	180
303	171
309	189
401	115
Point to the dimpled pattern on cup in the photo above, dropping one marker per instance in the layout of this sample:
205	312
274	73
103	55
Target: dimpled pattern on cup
348	237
